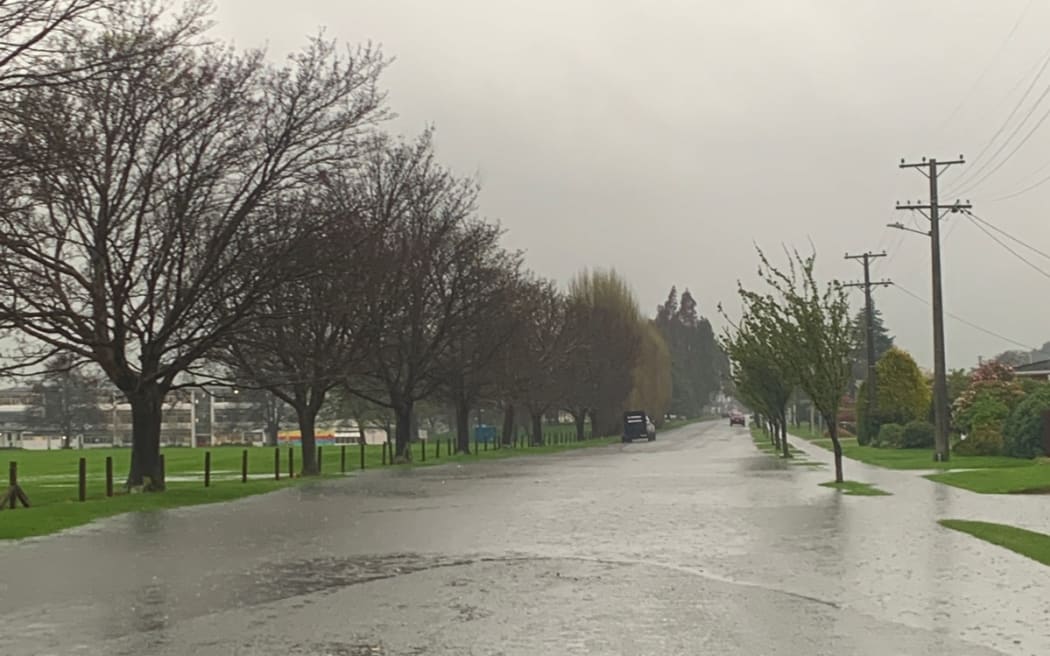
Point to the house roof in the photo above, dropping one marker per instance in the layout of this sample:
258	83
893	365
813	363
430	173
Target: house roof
1040	367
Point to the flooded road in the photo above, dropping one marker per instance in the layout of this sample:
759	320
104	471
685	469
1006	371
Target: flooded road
693	544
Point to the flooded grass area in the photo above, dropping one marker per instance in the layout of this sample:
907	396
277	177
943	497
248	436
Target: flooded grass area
856	488
1027	543
50	478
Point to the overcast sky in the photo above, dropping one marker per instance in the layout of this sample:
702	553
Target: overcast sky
664	137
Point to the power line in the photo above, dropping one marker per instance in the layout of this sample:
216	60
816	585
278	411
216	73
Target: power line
1025	190
991	62
1007	234
975	172
1035	128
1002	243
986	331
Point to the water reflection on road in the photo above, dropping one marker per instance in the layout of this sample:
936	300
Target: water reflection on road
695	543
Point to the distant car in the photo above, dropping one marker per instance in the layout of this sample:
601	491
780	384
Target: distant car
637	425
737	419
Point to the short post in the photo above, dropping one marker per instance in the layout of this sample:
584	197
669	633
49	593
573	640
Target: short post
163	472
320	460
12	477
109	476
82	480
437	448
448	446
422	450
276	463
207	469
362	453
342	459
486	443
244	466
383	462
291	462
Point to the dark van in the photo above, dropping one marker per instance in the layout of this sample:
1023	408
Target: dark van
636	426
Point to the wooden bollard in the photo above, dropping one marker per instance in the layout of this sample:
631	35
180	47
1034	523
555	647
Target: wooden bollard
82	480
320	461
383	461
422	450
244	466
291	462
12	477
276	463
109	476
437	448
362	454
207	469
448	446
342	459
163	472
486	443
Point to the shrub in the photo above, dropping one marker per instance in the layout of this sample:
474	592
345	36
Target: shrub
890	435
917	435
1023	429
986	439
902	395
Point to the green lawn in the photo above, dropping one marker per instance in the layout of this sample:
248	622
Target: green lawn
49	478
796	457
1027	543
856	488
1027	479
915	458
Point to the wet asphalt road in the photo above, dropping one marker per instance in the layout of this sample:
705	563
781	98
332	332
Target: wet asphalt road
693	544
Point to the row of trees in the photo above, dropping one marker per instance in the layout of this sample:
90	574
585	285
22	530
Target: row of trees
796	334
179	213
699	365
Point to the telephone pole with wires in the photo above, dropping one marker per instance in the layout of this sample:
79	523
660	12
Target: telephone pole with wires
932	169
869	320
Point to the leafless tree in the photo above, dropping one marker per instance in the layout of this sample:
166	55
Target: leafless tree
311	333
40	39
438	251
149	200
467	370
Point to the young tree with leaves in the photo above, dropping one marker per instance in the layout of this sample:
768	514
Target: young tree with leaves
816	330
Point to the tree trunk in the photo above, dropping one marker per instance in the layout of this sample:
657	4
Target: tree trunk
308	439
833	430
596	428
462	426
581	424
537	428
403	432
508	425
146	405
785	448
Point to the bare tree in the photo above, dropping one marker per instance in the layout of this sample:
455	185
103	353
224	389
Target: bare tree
311	335
67	398
467	370
149	221
427	297
38	38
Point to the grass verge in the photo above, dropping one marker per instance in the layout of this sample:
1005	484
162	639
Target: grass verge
1028	479
763	444
856	488
1027	543
913	458
49	478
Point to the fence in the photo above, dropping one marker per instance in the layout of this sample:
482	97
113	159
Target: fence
62	476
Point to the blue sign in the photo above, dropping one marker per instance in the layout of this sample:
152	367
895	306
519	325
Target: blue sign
485	433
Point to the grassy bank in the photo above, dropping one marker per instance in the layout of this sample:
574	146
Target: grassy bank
50	478
1027	543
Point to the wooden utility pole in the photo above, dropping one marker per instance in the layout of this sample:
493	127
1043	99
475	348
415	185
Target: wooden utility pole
931	168
869	320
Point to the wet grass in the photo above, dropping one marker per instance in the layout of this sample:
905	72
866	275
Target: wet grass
891	458
1027	543
1027	479
856	488
49	478
763	444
